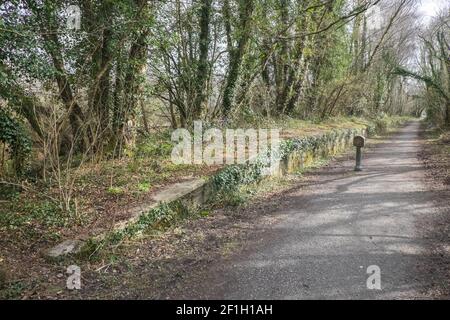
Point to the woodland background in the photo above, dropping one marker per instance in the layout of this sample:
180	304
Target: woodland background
107	95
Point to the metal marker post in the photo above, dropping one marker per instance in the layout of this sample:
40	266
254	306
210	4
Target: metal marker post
358	159
359	142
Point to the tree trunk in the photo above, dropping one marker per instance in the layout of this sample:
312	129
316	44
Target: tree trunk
236	55
25	105
76	116
202	69
52	46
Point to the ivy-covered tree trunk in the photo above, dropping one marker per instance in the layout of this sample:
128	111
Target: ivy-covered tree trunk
203	64
98	24
236	54
23	103
131	76
80	128
15	136
47	20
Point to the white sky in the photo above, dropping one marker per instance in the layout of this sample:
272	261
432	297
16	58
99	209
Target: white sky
429	8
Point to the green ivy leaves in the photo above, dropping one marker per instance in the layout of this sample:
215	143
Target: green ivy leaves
15	136
234	176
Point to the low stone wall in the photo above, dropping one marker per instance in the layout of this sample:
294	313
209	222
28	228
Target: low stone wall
295	155
309	149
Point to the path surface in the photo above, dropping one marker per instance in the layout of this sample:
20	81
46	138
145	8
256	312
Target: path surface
335	230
